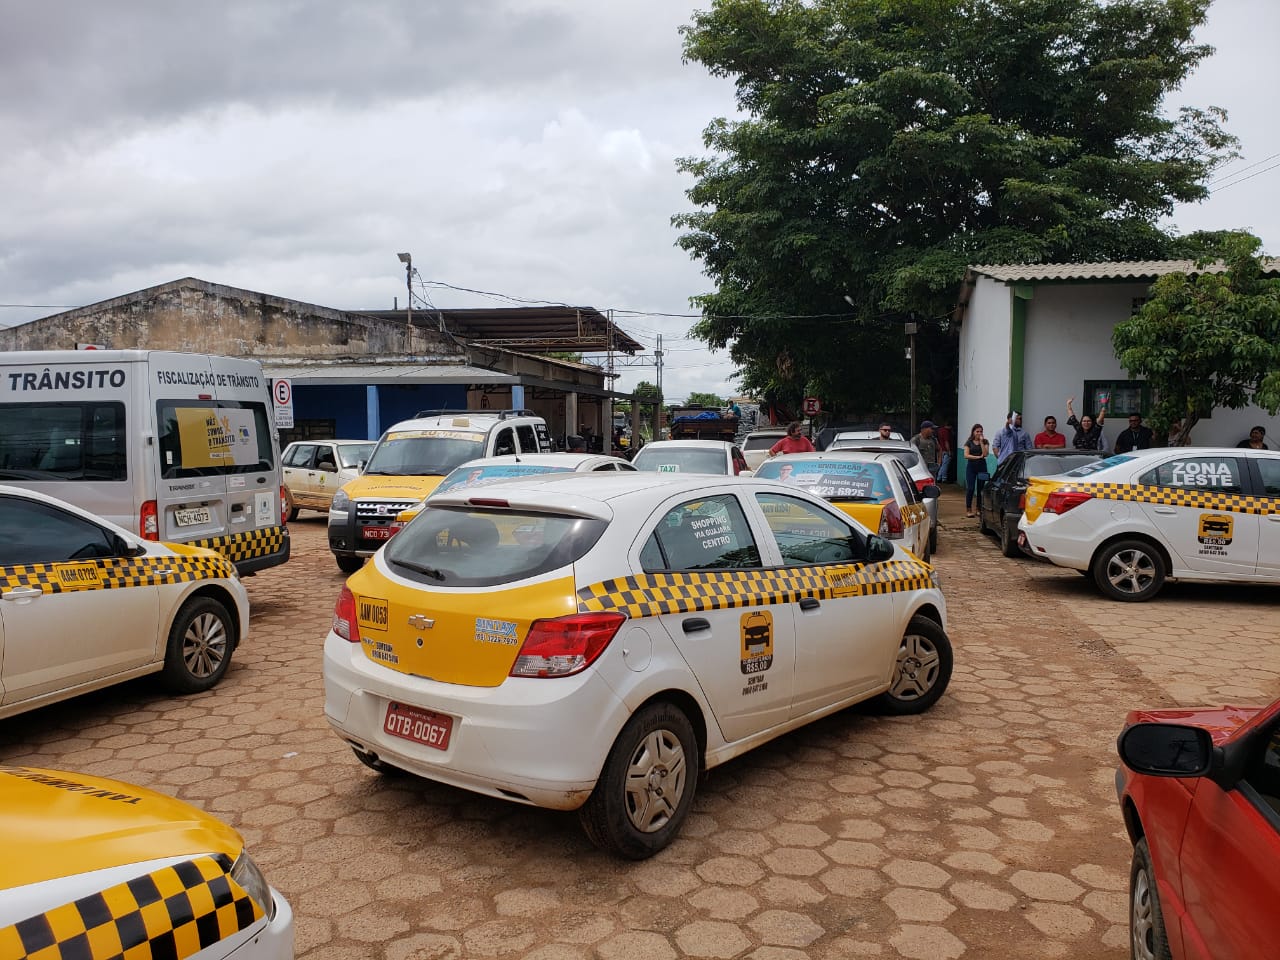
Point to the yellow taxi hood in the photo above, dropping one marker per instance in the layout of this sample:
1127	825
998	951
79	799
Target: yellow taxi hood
56	824
395	488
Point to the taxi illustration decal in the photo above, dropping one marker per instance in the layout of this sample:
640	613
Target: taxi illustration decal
757	641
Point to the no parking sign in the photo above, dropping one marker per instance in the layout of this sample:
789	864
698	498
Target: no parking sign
282	397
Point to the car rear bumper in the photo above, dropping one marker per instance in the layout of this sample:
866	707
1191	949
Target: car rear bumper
1062	539
536	741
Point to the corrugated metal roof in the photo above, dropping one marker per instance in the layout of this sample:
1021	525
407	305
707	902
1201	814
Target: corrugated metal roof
1118	270
320	374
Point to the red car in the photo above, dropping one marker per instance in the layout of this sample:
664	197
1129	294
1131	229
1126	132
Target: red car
1200	792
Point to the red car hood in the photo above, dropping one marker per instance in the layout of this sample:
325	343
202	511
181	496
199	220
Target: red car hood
1223	723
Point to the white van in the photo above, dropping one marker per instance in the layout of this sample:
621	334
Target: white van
181	447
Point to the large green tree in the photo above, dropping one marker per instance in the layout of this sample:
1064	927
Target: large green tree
1208	340
886	144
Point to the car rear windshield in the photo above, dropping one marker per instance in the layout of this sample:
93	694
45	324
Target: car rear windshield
457	547
1086	469
833	479
681	460
907	455
352	453
1046	465
762	442
209	438
424	453
466	476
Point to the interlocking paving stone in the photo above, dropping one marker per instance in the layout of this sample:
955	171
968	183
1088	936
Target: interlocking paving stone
986	825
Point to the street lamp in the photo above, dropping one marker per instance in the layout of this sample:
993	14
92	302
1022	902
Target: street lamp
407	260
909	328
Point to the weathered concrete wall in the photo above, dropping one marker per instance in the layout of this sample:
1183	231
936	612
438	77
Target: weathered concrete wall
200	317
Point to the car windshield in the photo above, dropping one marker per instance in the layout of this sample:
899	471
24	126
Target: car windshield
1046	465
467	476
457	547
833	479
763	442
424	453
1089	468
352	453
681	460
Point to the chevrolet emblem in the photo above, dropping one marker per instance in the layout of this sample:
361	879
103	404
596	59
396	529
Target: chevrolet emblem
421	622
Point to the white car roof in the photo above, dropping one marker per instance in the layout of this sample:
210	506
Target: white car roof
480	421
572	461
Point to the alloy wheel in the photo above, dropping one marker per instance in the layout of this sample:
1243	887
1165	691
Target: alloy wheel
204	645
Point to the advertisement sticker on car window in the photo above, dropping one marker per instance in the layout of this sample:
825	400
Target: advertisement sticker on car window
756	630
494	472
668	468
216	438
440	434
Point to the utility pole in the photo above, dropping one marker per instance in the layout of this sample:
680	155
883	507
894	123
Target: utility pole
407	260
657	410
910	328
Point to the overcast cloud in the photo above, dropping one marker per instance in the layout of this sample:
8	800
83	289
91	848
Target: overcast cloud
525	147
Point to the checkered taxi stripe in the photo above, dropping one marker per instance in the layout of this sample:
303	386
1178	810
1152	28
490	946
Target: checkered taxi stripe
245	546
1182	497
113	573
171	913
656	594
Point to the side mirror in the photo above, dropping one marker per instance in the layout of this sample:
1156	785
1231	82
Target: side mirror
747	473
1166	750
360	466
121	547
878	549
931	492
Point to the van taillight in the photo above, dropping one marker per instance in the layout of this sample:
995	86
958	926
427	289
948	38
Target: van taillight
1060	501
891	520
149	521
284	505
345	624
566	645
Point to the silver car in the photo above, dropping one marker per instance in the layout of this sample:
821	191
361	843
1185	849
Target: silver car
911	459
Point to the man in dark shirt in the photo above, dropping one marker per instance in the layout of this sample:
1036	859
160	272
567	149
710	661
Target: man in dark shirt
1137	437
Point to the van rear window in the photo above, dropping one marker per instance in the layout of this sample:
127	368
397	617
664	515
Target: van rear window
59	442
209	438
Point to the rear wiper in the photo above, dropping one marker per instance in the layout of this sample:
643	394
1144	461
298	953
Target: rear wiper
431	572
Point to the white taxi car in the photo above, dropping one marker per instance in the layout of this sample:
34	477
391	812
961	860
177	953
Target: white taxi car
99	869
596	641
1132	521
85	604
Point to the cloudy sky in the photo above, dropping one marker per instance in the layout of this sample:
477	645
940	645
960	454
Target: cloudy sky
521	147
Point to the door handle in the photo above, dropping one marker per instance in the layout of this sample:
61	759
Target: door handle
1274	517
1166	511
809	603
22	593
694	624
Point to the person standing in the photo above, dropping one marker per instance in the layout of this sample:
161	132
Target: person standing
975	452
927	445
1050	438
793	442
1011	438
945	445
1088	431
1136	437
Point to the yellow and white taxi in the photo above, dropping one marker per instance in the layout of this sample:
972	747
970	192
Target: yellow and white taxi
596	641
873	488
1132	521
104	870
85	604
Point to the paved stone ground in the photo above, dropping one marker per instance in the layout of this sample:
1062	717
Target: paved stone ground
986	828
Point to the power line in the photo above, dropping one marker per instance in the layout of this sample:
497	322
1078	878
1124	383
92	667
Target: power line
1249	177
1232	176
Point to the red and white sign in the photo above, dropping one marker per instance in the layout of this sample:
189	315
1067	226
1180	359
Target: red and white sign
812	407
282	395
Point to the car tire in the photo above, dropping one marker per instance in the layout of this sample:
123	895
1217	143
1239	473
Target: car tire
1147	937
290	510
921	670
376	764
982	521
198	653
933	540
349	564
655	758
1009	539
1129	570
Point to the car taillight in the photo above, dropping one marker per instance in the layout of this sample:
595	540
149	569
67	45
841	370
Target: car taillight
1060	501
921	484
1022	500
891	521
284	505
345	624
566	645
149	521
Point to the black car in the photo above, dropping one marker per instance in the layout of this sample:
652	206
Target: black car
1000	505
